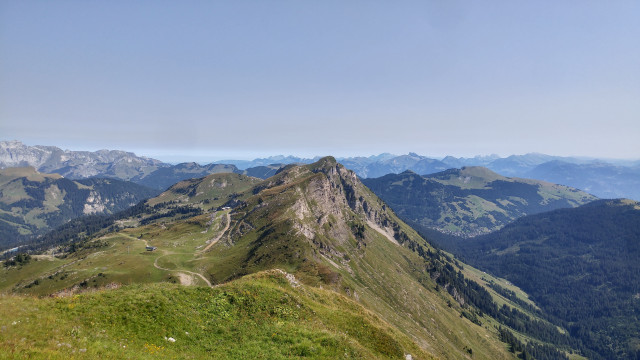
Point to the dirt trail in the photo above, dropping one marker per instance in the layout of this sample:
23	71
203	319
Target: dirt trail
155	264
214	241
183	279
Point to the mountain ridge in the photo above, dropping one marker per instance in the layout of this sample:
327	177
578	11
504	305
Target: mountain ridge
469	201
127	166
32	203
317	222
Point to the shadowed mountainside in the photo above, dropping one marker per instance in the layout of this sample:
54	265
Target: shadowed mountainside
580	265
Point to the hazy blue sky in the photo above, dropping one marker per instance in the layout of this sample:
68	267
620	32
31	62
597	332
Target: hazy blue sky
237	79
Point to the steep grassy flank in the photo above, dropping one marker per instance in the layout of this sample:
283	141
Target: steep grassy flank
470	201
262	316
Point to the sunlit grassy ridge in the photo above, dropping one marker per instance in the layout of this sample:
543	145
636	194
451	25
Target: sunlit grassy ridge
212	190
259	316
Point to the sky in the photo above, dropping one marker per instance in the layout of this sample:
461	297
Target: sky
210	80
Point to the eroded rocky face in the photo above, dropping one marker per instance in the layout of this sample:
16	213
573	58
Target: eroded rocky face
94	204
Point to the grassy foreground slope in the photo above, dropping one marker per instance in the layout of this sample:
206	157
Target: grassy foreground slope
261	316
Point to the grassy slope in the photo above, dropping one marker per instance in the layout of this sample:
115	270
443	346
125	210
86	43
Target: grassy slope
13	191
259	316
214	188
9	174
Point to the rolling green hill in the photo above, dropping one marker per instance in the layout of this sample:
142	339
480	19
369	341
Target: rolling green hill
338	243
32	203
263	316
579	265
470	201
164	177
263	172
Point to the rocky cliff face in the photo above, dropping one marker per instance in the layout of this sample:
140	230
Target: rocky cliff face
321	223
94	204
16	154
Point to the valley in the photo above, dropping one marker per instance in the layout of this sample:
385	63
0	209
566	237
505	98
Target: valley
579	265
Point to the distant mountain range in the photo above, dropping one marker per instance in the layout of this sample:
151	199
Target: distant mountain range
602	178
119	165
77	164
469	201
605	180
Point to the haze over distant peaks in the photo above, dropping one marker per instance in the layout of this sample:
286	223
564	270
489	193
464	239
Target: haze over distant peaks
603	178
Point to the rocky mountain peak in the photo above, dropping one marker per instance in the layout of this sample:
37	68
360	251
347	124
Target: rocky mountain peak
324	164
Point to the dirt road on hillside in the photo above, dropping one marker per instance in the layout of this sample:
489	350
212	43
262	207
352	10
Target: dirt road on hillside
155	264
214	241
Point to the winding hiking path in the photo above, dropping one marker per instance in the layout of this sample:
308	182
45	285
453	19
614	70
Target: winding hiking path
214	241
155	264
167	253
